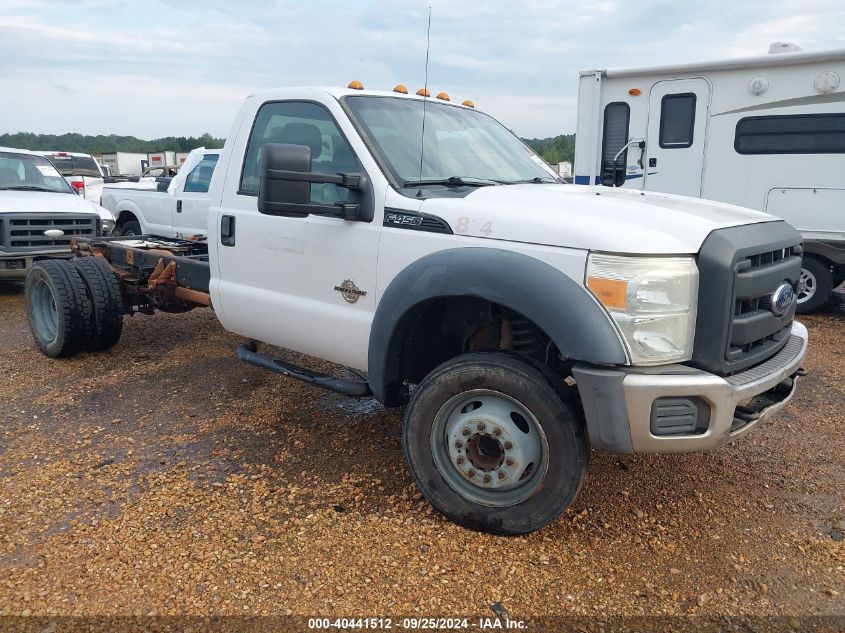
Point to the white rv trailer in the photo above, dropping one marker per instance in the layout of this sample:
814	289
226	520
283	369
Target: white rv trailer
763	132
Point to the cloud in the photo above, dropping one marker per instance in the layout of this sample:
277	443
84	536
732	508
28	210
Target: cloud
157	67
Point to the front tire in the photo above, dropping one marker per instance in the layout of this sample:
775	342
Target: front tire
492	445
130	228
814	286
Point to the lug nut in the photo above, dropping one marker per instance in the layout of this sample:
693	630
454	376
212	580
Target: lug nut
509	461
481	426
497	432
508	446
471	473
502	474
460	460
487	479
465	432
459	444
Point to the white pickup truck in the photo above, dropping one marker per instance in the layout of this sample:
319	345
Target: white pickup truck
82	172
142	209
519	320
40	213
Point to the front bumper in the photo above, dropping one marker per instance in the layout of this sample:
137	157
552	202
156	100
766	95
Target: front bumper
15	266
622	417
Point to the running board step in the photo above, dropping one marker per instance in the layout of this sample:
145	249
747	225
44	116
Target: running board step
248	352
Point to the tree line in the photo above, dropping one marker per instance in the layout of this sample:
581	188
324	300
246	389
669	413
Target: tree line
106	144
554	149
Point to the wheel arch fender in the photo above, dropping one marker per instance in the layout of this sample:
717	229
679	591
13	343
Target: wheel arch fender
560	306
125	208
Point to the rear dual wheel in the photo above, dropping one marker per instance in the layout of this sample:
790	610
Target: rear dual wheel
492	445
73	307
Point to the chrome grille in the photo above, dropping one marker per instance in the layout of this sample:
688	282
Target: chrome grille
25	232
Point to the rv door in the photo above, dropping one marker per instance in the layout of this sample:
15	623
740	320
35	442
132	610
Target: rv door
677	128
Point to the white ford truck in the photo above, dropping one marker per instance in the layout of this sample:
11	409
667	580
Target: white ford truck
40	213
519	320
143	209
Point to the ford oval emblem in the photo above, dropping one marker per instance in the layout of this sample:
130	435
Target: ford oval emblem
782	299
54	232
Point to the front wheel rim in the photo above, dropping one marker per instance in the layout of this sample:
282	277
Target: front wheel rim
489	448
807	285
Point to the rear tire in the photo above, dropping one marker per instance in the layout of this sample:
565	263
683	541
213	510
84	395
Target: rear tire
130	228
815	285
106	301
57	308
492	445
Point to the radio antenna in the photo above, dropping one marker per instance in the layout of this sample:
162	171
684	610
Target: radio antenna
425	100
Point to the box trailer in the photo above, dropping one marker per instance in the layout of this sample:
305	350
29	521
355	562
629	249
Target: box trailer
125	163
160	159
764	132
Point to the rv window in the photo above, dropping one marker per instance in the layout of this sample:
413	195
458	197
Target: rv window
616	118
791	134
677	120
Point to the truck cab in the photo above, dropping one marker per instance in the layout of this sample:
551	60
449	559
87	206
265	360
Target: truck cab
520	321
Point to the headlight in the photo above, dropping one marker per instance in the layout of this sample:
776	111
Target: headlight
652	300
107	227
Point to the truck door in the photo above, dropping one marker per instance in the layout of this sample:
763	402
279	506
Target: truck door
677	128
190	215
303	283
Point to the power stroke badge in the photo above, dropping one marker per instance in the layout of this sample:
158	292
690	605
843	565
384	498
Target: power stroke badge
350	291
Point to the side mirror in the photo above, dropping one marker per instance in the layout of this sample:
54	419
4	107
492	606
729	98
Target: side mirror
285	184
284	197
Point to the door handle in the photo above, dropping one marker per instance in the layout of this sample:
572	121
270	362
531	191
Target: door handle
178	206
227	230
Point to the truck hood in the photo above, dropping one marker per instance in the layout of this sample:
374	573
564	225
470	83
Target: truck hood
590	217
43	202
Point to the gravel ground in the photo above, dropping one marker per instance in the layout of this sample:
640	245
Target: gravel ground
165	477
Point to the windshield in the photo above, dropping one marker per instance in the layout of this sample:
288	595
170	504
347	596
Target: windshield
30	172
76	165
462	146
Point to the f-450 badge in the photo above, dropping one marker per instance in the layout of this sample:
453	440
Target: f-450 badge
350	291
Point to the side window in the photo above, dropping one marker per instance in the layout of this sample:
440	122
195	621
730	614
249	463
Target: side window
791	134
617	117
200	177
677	120
300	123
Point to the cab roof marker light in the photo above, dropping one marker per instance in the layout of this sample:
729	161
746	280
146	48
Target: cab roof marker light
401	89
355	85
423	92
469	103
443	96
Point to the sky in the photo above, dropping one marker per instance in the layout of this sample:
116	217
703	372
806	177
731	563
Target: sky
154	68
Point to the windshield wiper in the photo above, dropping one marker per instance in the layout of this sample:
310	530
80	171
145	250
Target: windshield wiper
32	188
536	180
454	181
